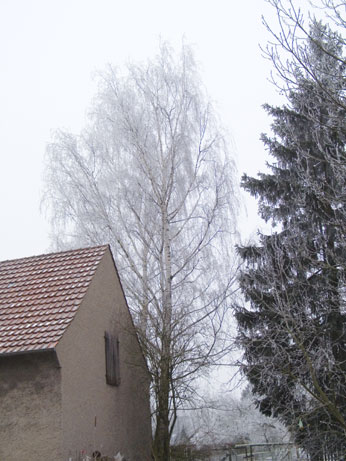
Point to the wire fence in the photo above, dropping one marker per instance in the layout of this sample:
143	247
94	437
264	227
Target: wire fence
266	452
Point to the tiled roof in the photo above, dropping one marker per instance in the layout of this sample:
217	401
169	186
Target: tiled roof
40	295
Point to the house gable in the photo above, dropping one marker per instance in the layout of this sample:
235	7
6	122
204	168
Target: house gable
109	418
54	312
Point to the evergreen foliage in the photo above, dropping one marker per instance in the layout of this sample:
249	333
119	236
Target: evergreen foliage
293	329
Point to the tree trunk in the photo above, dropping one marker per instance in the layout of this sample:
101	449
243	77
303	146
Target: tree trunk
162	435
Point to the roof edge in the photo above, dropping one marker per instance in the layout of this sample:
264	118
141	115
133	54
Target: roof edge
51	253
32	351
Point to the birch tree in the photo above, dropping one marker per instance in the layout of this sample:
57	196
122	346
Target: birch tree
151	175
293	331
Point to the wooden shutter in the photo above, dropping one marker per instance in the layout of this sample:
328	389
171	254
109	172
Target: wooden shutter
112	360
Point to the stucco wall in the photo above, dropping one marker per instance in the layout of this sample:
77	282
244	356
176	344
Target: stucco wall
30	407
97	416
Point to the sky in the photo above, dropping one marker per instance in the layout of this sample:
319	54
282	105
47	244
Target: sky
50	52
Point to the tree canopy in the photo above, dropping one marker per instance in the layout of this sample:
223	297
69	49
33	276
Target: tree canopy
293	327
151	175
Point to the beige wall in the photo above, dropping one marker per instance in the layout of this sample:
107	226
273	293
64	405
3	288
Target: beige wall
97	416
30	408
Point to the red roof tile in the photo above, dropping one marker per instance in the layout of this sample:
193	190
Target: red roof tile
40	295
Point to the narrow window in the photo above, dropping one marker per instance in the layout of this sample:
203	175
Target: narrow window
112	360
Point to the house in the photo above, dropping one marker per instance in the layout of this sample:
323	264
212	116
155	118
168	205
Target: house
73	379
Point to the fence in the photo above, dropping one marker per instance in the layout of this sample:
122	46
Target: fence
251	452
266	452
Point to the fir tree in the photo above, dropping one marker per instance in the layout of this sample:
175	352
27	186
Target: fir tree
293	328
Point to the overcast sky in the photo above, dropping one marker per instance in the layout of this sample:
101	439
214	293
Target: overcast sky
50	51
